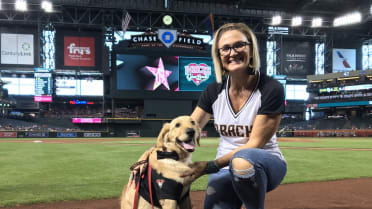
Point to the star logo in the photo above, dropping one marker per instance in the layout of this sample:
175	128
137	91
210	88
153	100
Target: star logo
160	74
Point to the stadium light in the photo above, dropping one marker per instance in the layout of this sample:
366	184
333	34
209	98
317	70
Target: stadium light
0	5
348	19
21	5
317	22
276	20
47	6
370	9
296	21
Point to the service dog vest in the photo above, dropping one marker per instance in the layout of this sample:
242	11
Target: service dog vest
162	188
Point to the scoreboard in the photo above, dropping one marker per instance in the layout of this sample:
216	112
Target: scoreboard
43	85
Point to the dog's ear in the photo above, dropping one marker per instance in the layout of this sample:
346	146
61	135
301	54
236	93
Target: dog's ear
162	135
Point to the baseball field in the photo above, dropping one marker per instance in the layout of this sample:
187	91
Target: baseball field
51	172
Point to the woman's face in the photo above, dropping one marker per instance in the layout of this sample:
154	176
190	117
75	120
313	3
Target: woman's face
234	50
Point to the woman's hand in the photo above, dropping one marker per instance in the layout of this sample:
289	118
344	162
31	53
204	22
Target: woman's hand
197	170
139	166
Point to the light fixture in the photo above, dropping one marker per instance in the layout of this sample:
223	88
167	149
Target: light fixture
47	6
348	19
296	21
276	20
317	22
167	19
0	5
21	5
370	9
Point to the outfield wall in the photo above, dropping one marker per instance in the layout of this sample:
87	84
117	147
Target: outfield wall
46	134
328	133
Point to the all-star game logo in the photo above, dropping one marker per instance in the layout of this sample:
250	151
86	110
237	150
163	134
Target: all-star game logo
197	73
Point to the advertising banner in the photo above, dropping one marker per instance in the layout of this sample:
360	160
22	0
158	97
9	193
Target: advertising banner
196	73
133	133
8	134
17	49
67	134
298	59
86	120
43	99
343	60
79	51
36	134
92	135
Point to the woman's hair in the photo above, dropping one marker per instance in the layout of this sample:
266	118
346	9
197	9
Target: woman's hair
243	28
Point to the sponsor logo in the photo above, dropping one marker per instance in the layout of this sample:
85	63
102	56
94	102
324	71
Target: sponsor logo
92	134
167	37
8	134
86	120
197	73
344	61
73	49
36	134
26	46
160	182
67	134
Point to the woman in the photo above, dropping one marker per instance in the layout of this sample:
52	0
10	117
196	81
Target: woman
247	107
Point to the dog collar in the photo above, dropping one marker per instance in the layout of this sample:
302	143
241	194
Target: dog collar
167	155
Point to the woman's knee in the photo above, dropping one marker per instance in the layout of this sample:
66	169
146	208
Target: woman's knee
242	167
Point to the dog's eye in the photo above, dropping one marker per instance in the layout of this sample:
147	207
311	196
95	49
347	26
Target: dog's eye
178	125
193	122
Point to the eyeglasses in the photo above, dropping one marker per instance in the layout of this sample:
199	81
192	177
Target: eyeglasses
238	47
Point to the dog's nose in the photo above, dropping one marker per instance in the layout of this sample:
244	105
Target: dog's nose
190	132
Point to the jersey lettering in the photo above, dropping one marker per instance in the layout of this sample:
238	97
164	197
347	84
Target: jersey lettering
233	130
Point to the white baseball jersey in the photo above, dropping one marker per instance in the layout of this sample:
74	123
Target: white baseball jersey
235	128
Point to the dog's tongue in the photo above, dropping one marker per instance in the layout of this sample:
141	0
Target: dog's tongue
189	146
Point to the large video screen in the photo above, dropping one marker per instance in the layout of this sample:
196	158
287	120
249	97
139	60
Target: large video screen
298	59
164	73
19	86
73	87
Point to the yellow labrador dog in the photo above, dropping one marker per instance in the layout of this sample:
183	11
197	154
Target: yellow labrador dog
167	161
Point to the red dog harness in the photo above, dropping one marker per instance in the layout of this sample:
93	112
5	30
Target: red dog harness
157	187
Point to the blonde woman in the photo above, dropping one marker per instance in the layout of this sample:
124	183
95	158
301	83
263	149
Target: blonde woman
247	106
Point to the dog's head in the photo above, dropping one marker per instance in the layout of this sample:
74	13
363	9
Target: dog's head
180	135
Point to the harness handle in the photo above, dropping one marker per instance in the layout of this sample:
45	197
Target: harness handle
137	191
150	190
137	164
135	204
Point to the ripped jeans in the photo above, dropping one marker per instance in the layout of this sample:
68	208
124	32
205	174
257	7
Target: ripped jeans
229	190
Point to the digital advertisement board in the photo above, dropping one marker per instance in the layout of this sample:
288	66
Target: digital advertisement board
297	59
17	49
343	60
79	51
86	120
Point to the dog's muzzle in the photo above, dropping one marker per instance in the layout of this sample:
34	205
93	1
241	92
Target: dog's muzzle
188	145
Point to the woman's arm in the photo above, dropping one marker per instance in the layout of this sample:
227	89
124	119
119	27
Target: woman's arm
264	127
200	116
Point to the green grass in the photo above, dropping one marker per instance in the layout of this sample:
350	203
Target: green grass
356	143
42	172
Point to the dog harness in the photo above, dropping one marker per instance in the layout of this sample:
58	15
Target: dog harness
155	186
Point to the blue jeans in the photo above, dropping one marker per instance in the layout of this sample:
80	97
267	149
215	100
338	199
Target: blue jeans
228	190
